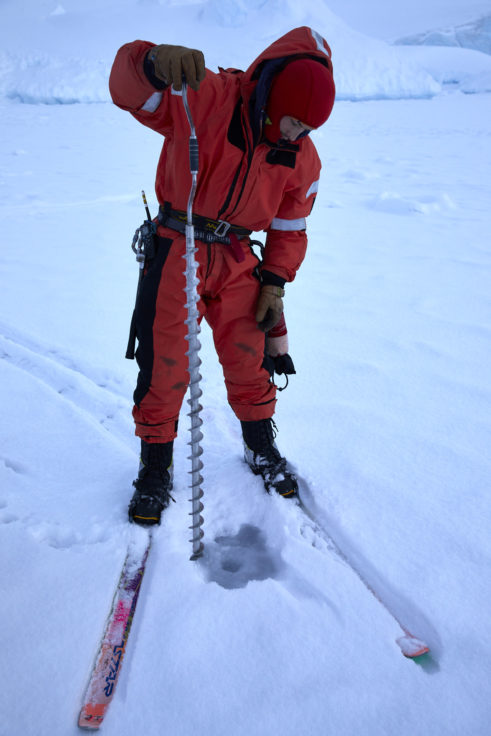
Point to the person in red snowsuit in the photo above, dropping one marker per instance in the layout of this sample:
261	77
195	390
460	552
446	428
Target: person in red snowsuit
258	170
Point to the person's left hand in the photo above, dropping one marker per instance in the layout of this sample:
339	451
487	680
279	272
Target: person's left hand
269	307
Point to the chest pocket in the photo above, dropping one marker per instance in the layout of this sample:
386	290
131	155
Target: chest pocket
282	158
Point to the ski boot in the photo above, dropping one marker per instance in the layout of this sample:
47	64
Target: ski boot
264	459
153	485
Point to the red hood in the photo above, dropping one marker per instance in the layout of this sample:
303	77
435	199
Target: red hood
299	41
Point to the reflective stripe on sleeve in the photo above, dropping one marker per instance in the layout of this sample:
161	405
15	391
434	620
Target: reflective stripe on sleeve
153	102
314	188
279	224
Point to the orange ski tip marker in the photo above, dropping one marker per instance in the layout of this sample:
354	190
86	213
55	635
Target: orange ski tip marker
92	715
412	647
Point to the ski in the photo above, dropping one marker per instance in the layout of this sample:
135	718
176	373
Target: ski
411	646
107	666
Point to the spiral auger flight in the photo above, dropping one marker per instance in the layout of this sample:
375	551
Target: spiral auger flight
194	346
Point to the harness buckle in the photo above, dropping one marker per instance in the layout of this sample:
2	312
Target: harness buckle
222	228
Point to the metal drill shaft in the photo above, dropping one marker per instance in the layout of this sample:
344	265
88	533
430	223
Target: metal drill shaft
194	346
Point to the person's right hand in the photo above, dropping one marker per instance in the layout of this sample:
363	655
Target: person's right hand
171	63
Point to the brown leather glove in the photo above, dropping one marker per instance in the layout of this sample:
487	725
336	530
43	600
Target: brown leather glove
171	63
269	307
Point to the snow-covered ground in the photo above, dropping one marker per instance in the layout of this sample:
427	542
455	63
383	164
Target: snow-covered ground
387	420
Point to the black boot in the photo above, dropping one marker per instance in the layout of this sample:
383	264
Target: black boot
263	457
153	485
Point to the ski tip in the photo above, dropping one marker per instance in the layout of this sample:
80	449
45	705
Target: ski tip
91	716
411	647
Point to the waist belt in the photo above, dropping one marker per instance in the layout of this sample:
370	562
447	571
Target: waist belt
209	231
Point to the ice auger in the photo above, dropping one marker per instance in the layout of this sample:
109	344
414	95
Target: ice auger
194	345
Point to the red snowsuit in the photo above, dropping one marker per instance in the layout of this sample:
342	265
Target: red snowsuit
243	179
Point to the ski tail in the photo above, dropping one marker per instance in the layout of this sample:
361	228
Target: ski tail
107	666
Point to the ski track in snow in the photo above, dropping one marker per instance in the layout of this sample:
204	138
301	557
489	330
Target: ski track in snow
65	378
100	403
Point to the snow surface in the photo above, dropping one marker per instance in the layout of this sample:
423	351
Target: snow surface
387	420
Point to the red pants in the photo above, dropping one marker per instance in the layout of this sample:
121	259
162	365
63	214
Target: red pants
229	293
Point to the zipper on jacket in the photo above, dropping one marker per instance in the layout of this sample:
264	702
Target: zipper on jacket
250	153
231	190
244	180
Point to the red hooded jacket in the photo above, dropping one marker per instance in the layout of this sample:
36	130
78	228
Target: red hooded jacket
242	178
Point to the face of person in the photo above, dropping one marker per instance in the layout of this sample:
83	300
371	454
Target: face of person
291	128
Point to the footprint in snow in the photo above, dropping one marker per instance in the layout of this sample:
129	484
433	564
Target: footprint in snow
5	516
13	465
235	560
62	537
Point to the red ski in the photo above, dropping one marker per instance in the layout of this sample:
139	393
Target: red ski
411	646
107	667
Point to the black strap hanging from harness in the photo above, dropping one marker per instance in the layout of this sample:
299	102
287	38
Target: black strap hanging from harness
143	246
